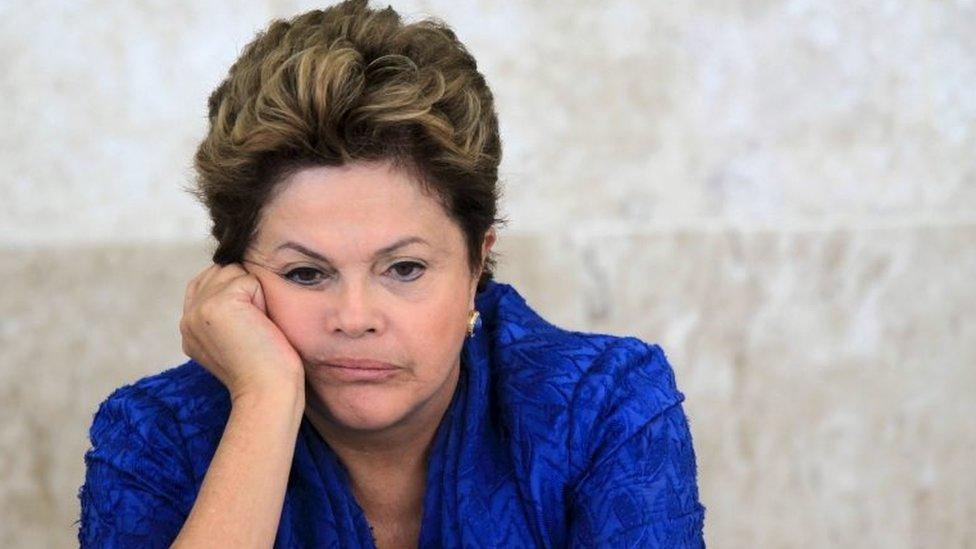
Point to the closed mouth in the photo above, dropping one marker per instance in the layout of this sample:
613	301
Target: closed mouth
358	364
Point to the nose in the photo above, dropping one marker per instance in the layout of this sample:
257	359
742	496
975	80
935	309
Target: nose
355	313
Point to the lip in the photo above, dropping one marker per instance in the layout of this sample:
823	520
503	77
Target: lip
359	364
359	370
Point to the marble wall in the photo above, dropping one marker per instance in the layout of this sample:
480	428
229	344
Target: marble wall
780	193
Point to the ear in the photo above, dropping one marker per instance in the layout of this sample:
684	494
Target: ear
489	241
490	238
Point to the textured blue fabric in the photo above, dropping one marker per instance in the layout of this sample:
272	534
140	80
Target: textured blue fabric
553	438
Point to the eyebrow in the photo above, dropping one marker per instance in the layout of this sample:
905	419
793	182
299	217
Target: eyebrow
384	251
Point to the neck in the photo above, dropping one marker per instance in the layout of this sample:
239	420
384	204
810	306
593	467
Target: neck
388	468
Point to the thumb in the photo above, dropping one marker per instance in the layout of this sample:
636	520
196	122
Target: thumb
256	292
254	289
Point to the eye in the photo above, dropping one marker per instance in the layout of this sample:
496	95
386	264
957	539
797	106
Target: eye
407	271
306	276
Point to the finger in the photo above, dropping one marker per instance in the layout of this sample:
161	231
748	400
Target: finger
225	274
244	288
257	293
188	296
204	277
193	287
215	280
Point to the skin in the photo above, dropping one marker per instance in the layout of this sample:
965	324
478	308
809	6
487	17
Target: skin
408	308
312	290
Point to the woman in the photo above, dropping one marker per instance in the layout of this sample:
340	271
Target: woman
357	377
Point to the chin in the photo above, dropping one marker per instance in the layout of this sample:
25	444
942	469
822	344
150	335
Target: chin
360	408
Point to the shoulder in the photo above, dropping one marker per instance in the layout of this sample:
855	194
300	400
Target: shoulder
149	452
178	394
577	390
181	410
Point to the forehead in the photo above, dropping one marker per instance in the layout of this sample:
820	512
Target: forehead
371	204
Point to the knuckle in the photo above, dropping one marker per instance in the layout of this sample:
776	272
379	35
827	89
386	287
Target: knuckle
186	327
206	312
230	269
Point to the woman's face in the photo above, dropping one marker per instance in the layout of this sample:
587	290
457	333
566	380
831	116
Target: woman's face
357	263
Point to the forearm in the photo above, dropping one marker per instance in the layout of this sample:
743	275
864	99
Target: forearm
240	501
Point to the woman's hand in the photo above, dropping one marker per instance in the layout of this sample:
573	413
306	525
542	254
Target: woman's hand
225	327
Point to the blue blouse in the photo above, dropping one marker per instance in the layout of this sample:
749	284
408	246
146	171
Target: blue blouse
553	438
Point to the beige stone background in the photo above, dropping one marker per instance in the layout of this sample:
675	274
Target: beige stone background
780	193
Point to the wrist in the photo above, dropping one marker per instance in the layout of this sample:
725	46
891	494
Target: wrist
269	398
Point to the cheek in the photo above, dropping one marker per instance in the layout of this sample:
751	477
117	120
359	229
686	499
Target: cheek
436	330
294	314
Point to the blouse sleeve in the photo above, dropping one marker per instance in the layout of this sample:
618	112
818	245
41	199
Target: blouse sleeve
639	487
138	475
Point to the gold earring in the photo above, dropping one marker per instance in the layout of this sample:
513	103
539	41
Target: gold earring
474	320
